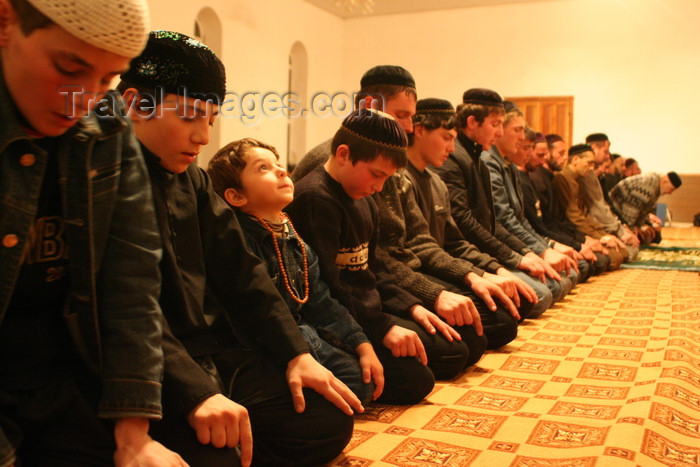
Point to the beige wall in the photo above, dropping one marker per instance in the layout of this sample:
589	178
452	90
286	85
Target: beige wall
631	65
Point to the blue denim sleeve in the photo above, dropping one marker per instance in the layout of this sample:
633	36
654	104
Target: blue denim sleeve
128	287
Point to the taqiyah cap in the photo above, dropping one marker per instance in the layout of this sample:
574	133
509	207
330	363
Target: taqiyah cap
117	26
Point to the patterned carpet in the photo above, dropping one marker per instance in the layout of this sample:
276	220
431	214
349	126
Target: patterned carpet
608	377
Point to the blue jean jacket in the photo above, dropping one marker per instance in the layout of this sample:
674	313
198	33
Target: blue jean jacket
322	312
112	308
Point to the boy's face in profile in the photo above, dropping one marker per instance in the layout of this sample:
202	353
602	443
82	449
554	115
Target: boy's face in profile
265	185
38	67
364	178
176	130
487	132
512	137
402	107
435	145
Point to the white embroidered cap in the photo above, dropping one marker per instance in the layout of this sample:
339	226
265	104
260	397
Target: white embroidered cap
118	26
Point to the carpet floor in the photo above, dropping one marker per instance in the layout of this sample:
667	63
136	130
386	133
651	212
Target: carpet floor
610	376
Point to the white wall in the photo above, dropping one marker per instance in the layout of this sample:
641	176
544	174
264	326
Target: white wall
631	65
257	39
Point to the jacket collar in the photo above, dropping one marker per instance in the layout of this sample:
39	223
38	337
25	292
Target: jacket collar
473	148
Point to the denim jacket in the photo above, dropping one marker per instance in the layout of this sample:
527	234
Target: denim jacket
326	315
112	307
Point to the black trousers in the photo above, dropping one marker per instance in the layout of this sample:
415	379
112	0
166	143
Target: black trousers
500	327
57	425
281	437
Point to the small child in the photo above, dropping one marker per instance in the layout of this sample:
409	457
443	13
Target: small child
247	174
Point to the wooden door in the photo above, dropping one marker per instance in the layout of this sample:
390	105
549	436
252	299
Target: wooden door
549	114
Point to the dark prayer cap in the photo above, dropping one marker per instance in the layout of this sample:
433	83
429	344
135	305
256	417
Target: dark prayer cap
482	96
577	149
387	75
596	138
675	179
433	105
178	63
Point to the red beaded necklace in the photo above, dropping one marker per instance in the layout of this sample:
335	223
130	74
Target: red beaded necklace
280	260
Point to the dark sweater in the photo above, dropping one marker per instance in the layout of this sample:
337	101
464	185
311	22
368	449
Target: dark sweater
472	206
344	234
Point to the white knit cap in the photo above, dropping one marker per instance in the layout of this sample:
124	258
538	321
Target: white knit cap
118	26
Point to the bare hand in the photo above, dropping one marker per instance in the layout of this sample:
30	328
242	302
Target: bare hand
405	343
372	369
506	283
521	287
135	448
533	265
588	254
221	422
457	310
629	238
432	322
487	290
303	371
558	261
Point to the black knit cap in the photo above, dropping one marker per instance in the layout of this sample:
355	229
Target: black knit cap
553	138
509	106
433	105
596	138
176	62
482	96
675	179
577	149
377	128
387	74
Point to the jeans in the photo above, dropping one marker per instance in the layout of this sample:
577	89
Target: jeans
544	294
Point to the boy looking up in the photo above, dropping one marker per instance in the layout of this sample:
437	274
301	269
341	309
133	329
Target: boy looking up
80	247
247	174
234	337
334	212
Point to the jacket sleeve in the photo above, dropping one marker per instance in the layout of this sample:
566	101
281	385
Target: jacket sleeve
563	190
468	225
501	203
530	210
128	287
241	284
185	383
412	249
